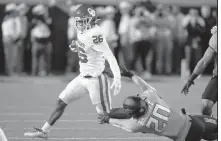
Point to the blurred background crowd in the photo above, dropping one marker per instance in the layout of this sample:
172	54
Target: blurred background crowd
149	37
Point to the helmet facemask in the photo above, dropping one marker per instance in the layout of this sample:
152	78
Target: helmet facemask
83	24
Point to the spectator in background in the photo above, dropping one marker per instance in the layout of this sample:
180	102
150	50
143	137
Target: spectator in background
125	9
41	43
210	21
10	34
72	57
109	29
100	10
164	40
140	36
22	41
214	16
193	51
179	34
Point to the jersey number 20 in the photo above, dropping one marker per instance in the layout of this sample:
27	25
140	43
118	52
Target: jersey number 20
97	39
158	118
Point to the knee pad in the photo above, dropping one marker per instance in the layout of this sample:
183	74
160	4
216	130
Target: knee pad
207	107
206	111
60	105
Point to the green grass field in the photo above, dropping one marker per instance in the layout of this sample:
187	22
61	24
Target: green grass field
28	101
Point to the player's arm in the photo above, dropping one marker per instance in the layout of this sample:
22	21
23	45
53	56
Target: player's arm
139	81
108	55
206	59
136	79
120	122
124	124
203	63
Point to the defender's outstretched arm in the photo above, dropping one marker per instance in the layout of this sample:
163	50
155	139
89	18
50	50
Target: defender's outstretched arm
136	79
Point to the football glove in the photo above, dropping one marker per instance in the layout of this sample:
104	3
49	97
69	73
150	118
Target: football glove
186	87
117	86
125	72
103	118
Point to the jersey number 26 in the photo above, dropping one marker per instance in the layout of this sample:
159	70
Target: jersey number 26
97	39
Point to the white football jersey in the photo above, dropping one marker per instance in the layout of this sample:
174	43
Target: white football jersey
91	46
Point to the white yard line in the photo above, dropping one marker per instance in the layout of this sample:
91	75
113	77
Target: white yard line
94	138
40	114
36	121
60	129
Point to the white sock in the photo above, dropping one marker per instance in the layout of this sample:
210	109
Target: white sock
46	127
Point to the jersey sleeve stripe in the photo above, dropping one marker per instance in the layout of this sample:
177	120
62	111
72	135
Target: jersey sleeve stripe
101	93
107	92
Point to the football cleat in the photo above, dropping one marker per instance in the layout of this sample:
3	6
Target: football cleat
37	134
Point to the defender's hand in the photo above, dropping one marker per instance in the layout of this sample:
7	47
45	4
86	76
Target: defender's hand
186	87
117	84
125	72
103	118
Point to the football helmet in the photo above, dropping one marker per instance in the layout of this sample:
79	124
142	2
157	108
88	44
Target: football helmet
85	17
133	106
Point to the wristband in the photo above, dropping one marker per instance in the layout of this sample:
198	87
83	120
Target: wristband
193	77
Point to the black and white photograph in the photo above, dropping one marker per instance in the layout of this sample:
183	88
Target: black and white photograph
109	70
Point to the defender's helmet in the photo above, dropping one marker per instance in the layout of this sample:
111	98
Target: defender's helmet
85	17
133	106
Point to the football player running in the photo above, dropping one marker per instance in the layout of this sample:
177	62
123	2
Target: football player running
149	113
210	95
93	50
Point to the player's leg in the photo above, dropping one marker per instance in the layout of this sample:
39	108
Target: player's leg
210	127
196	130
55	115
2	136
74	90
99	93
210	96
